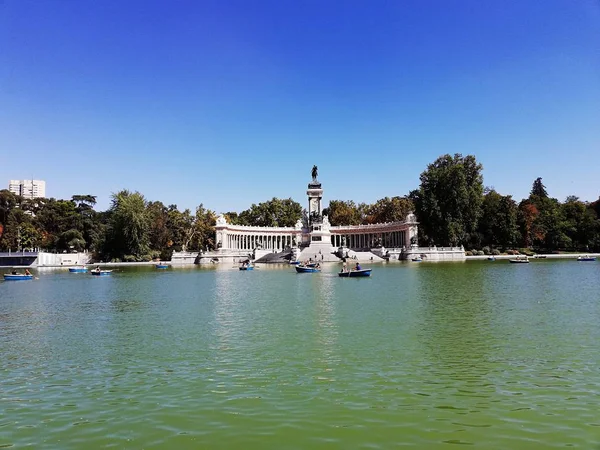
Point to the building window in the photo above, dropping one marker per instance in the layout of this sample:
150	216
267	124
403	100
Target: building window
316	238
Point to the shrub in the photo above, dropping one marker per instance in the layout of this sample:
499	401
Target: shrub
480	253
495	252
468	253
486	250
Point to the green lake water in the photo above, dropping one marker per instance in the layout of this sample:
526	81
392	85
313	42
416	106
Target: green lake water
430	356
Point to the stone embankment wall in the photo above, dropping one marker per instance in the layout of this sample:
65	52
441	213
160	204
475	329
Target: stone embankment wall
426	253
540	256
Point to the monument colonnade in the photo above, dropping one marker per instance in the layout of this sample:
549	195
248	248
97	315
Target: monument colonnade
389	235
277	239
240	237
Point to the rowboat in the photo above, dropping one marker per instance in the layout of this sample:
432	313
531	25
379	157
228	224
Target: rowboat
306	269
17	277
162	266
416	259
294	263
519	260
356	273
586	258
78	269
491	258
100	273
246	268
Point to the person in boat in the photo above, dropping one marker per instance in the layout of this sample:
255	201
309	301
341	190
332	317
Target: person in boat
97	269
14	272
357	266
344	267
27	272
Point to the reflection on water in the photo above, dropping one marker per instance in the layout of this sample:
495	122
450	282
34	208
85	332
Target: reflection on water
428	355
326	321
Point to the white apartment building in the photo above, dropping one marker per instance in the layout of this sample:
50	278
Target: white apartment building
28	188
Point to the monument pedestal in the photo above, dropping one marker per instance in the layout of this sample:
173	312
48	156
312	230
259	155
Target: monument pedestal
320	247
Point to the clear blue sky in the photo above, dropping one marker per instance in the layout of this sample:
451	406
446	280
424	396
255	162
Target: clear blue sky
230	103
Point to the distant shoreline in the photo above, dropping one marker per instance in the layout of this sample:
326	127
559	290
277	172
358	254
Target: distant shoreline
467	258
537	256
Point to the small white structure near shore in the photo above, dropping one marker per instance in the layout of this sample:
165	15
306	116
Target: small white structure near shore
43	259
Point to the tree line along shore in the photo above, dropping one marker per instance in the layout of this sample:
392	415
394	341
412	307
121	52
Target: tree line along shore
451	203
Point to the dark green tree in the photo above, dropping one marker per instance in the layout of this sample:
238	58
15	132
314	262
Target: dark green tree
538	189
232	217
201	235
387	209
341	212
54	217
448	201
128	227
550	223
272	213
8	201
498	223
580	223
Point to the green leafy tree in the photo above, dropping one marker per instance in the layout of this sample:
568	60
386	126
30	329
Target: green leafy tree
448	201
200	236
128	228
53	218
550	224
387	209
272	213
20	232
341	212
8	201
232	217
498	223
179	224
159	232
552	221
84	201
71	240
538	189
580	223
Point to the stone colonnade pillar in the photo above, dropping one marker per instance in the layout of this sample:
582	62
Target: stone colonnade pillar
393	239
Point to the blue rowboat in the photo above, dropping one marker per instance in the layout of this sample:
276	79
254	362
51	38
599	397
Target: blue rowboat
17	277
586	258
100	273
162	266
491	258
78	269
306	269
356	273
294	263
416	260
246	268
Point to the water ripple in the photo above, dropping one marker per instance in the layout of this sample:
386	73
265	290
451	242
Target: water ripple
463	354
